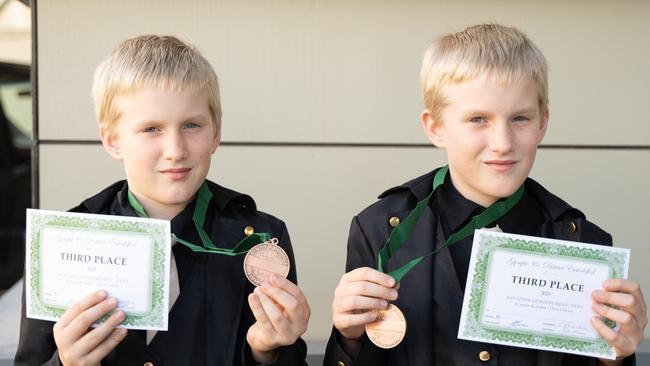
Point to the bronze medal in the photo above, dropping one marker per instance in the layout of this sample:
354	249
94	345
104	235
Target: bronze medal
265	259
389	328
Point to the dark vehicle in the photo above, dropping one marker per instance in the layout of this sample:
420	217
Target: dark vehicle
15	168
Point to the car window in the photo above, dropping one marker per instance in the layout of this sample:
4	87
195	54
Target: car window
16	100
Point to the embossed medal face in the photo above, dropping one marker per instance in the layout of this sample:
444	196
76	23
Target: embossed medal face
389	328
265	259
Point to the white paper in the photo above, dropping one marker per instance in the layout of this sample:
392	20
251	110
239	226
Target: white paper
536	292
70	255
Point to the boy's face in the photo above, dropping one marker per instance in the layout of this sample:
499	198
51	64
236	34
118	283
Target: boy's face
491	132
165	139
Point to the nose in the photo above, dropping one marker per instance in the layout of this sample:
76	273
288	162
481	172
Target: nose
501	137
175	146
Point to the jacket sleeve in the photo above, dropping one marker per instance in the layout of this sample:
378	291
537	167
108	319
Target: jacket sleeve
296	353
360	254
36	343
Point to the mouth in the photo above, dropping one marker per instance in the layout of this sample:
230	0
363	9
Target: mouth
176	173
500	165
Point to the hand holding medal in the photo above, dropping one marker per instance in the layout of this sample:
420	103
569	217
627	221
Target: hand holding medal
359	298
364	304
281	312
279	306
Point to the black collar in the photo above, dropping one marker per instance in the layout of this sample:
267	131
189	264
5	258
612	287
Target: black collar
553	206
458	209
101	202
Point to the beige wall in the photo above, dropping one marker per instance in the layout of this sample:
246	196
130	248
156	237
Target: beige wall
347	72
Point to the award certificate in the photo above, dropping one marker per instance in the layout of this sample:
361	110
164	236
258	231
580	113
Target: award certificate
69	255
536	293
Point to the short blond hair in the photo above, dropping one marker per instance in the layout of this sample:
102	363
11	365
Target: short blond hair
152	61
478	51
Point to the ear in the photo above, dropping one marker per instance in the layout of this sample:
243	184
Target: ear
111	143
543	124
216	141
434	129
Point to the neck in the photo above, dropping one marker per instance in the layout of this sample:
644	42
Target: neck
480	199
156	210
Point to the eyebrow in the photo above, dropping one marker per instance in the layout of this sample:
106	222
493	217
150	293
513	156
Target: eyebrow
526	110
532	109
194	117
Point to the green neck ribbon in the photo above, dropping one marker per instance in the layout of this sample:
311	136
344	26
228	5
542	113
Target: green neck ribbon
203	199
403	231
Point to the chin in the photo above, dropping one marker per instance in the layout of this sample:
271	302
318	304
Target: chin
178	198
506	191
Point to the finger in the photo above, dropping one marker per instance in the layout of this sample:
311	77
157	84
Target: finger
98	354
282	297
101	332
623	346
273	312
354	303
620	299
286	285
349	320
83	321
80	306
624	301
365	288
369	274
630	287
622	285
621	317
256	308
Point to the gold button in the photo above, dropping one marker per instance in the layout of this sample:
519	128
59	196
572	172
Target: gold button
148	364
393	221
249	230
340	363
573	227
484	356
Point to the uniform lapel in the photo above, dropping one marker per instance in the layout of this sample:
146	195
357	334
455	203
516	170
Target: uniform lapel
227	290
415	293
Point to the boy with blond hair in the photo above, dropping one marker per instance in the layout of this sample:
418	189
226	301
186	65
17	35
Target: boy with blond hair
486	103
158	106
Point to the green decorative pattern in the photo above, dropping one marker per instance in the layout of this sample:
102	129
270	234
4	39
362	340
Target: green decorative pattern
157	231
487	243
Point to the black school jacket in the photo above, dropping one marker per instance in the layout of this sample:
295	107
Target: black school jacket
209	320
368	234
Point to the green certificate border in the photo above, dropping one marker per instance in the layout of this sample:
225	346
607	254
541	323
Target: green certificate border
158	230
489	241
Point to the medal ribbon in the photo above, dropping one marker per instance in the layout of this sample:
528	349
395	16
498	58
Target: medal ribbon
202	202
403	231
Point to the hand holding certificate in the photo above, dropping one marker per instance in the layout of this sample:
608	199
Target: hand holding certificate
630	314
536	293
79	345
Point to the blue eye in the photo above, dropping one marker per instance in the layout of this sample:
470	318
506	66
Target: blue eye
150	129
192	125
521	119
477	119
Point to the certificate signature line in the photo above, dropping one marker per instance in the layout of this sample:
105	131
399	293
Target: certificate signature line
526	316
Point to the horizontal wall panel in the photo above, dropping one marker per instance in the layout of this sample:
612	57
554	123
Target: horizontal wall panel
347	71
317	190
